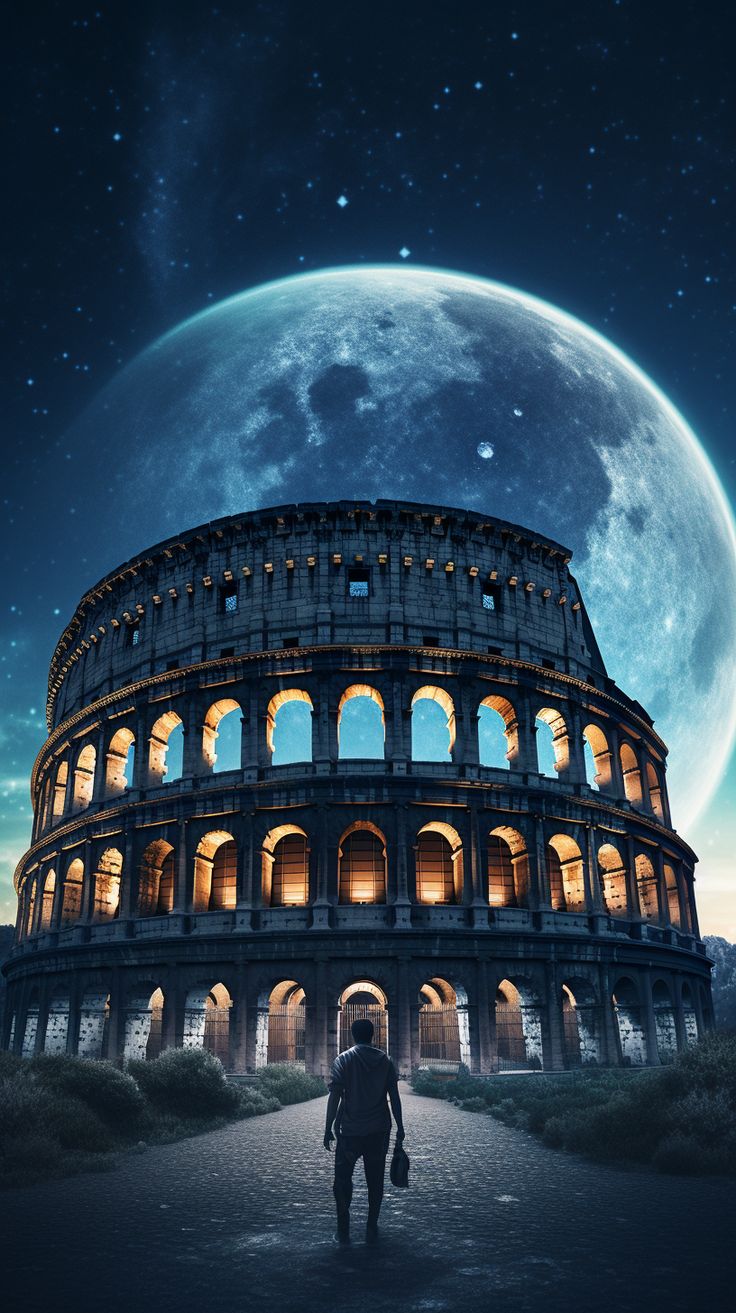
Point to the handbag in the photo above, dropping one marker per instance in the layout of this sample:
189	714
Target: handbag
399	1167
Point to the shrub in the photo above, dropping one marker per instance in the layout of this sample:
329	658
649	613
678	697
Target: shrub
255	1102
111	1094
187	1083
290	1084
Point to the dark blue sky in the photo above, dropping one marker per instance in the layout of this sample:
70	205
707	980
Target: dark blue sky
160	157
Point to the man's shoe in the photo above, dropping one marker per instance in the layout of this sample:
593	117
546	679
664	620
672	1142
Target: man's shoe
371	1233
342	1238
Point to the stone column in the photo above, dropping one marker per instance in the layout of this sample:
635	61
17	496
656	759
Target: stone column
575	774
193	759
608	1017
632	888
320	1057
323	900
650	1024
141	777
641	761
662	901
58	893
88	887
402	902
247	864
182	892
401	1041
593	892
398	725
554	1059
692	908
99	789
486	1045
129	879
617	779
539	892
239	1021
526	759
116	1020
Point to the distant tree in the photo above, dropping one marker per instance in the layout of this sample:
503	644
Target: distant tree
724	980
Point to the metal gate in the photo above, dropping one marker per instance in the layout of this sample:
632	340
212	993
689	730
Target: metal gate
439	1036
217	1033
375	1012
286	1034
518	1037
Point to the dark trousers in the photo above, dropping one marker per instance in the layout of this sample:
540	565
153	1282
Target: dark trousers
372	1149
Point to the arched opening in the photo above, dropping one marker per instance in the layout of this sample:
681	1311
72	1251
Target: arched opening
444	1032
363	999
207	1021
361	724
498	733
508	868
664	1022
120	762
646	883
84	777
57	1023
47	900
673	896
362	865
215	873
597	758
285	867
439	864
30	1032
223	726
156	879
553	744
94	1020
71	903
60	784
612	876
144	1012
627	1010
655	790
632	775
286	1024
689	1015
580	1024
166	749
107	885
432	724
289	727
518	1027
565	874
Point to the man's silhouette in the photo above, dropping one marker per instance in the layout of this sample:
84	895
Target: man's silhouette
362	1077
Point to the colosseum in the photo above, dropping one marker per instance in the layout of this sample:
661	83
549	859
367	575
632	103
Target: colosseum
340	759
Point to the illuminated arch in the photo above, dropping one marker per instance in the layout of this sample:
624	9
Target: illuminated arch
279	700
656	792
285	867
631	774
215	872
565	873
362	864
440	696
60	785
439	864
508	868
118	776
600	752
363	693
612	875
503	708
156	879
107	885
84	777
71	902
556	723
646	883
47	900
211	729
159	765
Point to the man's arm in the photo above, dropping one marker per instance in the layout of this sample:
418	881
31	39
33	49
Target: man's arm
333	1104
395	1101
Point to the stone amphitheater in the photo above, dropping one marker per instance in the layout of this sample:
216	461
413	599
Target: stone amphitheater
340	759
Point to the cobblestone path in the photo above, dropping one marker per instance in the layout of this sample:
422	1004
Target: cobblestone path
242	1220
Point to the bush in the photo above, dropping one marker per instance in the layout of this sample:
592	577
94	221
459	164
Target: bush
111	1094
255	1102
186	1082
290	1084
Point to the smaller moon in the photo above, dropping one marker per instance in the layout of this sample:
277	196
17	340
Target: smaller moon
485	449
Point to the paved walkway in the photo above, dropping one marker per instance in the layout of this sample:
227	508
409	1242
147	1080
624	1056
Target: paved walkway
241	1219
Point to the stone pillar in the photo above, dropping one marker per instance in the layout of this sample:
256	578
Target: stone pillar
142	750
99	789
58	893
611	1042
526	759
88	887
193	758
239	1021
182	894
692	909
248	870
398	728
593	891
402	902
539	892
43	1014
401	1039
575	773
320	1058
662	901
554	1050
322	902
76	993
641	761
129	879
632	888
617	779
486	1046
650	1024
116	1019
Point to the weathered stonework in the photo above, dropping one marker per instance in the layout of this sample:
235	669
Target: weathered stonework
484	913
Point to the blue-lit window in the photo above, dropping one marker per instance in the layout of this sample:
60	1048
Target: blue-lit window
491	597
135	635
230	600
489	602
358	583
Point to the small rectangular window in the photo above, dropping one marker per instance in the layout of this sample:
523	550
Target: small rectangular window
227	651
549	665
134	635
430	640
358	583
229	600
491	597
289	642
172	665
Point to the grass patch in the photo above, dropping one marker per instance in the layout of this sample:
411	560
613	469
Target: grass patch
60	1115
680	1118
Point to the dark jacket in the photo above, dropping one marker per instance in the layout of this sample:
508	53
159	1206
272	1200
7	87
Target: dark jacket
363	1076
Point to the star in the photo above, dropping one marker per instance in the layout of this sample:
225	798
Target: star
342	201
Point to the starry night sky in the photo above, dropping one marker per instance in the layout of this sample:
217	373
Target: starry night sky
161	157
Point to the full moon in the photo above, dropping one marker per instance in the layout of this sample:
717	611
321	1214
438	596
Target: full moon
394	382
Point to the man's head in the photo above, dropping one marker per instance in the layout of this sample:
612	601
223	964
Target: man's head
362	1031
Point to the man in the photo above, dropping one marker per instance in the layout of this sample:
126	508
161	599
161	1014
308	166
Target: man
361	1079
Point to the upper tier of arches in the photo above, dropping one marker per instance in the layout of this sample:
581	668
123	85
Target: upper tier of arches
427	721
